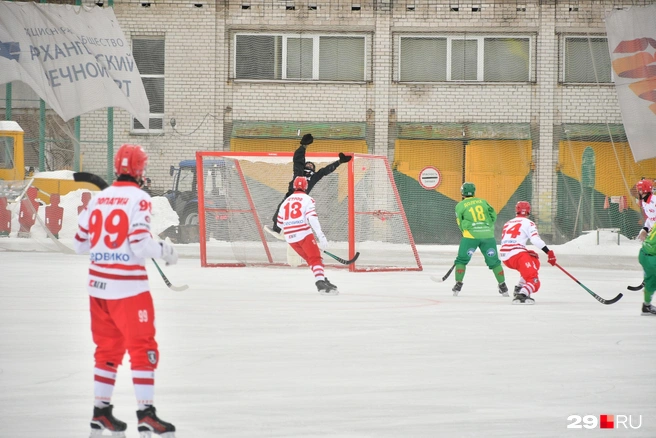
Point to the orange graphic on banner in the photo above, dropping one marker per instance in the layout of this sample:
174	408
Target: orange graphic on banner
640	65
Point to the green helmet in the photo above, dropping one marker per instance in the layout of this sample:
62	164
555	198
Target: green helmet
468	189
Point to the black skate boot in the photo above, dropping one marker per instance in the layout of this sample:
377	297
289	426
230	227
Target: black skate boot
149	423
648	310
520	298
325	287
516	291
103	419
503	289
329	283
457	288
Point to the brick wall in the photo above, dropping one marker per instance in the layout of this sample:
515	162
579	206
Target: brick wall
204	100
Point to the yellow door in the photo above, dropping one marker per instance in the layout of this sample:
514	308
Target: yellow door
497	168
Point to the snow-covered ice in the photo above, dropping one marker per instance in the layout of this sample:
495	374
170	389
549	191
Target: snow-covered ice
257	352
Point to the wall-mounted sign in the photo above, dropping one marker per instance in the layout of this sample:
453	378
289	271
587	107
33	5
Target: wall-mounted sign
429	178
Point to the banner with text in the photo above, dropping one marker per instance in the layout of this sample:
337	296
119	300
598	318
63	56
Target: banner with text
632	46
75	58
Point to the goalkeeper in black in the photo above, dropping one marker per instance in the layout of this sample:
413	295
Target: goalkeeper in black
309	171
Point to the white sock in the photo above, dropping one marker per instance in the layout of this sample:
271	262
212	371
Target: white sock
103	386
144	387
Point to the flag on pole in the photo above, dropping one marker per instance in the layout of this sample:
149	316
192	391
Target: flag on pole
75	58
632	45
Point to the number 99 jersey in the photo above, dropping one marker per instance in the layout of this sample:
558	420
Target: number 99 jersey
115	230
516	232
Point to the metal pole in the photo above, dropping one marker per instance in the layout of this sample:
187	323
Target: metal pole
110	144
76	146
110	132
8	102
42	129
42	135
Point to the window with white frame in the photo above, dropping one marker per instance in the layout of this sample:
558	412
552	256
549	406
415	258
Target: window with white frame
148	53
465	58
586	60
300	57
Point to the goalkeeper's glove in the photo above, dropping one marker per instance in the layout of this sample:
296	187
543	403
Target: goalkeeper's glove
307	140
344	158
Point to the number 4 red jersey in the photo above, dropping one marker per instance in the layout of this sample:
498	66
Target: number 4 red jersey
516	232
115	230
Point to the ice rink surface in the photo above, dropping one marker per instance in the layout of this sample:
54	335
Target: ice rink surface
257	352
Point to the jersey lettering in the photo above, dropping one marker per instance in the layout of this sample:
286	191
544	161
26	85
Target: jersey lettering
114	225
292	210
478	214
513	231
293	217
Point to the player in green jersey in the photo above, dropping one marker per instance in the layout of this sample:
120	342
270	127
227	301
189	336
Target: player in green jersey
647	258
476	219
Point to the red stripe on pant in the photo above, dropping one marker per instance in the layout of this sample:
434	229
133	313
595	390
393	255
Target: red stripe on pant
105	380
141	381
308	249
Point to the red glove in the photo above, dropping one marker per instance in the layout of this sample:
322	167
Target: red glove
552	257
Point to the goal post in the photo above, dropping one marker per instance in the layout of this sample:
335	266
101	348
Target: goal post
358	205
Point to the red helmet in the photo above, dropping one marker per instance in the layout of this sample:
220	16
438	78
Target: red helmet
644	186
523	208
130	160
300	183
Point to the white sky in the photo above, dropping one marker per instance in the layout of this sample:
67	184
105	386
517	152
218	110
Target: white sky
257	352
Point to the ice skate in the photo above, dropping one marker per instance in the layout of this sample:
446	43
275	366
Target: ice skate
277	234
103	419
518	288
521	298
325	287
503	289
150	424
457	288
648	310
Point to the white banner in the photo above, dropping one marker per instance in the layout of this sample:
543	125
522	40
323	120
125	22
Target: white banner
632	45
75	58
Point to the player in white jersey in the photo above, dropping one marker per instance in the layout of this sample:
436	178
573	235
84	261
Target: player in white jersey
297	218
648	205
514	254
115	230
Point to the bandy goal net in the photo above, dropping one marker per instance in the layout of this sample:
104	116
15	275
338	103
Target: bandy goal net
358	205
